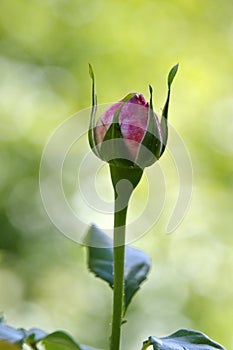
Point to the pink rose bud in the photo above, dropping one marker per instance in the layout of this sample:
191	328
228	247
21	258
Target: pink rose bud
132	120
129	133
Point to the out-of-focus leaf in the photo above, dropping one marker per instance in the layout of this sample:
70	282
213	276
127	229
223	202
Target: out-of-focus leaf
13	339
34	335
137	265
60	341
8	346
100	262
183	339
10	334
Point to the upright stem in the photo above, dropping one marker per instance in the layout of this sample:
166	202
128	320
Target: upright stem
124	181
118	287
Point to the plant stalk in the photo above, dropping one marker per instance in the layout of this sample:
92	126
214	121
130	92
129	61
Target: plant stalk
124	182
118	286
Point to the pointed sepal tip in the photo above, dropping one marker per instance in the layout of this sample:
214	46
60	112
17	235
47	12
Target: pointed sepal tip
172	74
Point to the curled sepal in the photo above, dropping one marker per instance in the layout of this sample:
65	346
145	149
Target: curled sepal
163	122
151	144
182	339
91	131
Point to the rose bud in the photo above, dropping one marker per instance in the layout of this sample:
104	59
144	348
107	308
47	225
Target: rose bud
132	124
129	134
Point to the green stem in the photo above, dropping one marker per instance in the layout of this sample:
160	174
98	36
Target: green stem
124	181
118	290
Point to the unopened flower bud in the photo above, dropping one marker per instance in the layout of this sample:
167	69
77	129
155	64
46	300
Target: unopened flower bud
129	134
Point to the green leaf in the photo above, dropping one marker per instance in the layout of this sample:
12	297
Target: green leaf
183	339
60	341
100	262
34	335
13	339
20	336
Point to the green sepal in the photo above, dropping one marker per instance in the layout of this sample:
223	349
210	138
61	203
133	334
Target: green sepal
113	149
91	131
150	148
163	122
101	261
182	339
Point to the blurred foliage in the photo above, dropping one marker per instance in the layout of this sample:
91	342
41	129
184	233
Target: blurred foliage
45	46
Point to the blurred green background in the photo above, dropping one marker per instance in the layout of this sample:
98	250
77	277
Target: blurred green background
45	46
